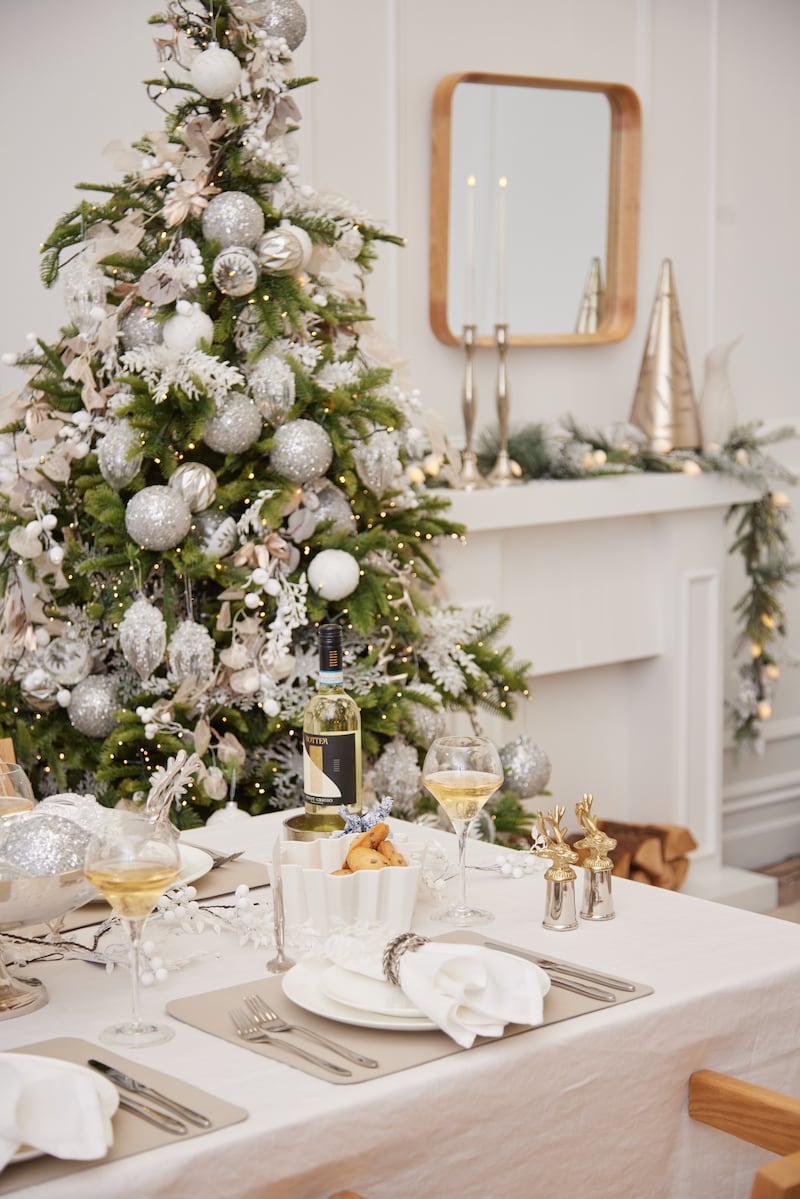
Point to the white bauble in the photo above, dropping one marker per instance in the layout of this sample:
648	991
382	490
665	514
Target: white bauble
233	219
216	72
196	484
157	518
235	425
334	574
188	327
143	637
119	455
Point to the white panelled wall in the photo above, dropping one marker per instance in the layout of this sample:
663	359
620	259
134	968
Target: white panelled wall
720	91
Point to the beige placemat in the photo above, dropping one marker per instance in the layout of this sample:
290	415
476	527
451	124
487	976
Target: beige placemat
394	1050
131	1134
222	881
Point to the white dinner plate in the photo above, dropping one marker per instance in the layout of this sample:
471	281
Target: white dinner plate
303	986
367	994
195	863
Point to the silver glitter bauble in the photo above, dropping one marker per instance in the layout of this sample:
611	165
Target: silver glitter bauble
143	637
39	690
285	250
286	19
42	843
397	774
67	660
333	506
119	455
215	72
302	450
215	532
233	219
235	271
235	425
191	652
526	768
196	484
157	518
429	723
139	328
272	385
91	707
377	462
334	574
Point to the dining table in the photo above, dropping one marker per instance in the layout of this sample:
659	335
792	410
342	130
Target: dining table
594	1105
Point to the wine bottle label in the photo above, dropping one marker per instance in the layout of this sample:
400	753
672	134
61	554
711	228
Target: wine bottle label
329	767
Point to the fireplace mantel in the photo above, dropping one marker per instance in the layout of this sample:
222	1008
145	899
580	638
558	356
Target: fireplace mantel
615	588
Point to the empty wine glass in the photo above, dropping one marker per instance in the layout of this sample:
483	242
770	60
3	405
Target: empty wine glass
461	773
16	792
132	860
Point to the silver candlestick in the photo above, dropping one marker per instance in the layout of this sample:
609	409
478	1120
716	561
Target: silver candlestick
505	471
469	477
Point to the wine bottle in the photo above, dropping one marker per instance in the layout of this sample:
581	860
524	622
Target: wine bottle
331	742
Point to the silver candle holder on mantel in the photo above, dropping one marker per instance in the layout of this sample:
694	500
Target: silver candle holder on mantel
505	472
469	477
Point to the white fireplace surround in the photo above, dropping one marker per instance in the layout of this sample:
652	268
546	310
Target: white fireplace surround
614	587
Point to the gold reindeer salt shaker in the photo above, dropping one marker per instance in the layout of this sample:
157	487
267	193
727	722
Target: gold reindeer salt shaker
559	912
598	902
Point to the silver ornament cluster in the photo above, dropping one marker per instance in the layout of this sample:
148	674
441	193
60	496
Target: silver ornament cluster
235	271
301	451
526	768
119	455
285	250
191	652
196	484
272	385
91	707
215	532
234	426
139	329
286	19
143	637
157	518
42	843
233	219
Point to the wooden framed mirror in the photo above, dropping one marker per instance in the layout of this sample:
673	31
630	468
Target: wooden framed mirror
534	216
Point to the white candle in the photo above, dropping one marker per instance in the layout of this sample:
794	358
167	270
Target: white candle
470	289
502	282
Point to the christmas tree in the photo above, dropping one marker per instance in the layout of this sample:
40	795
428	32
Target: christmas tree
209	463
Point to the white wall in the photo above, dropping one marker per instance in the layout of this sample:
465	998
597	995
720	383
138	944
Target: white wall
720	93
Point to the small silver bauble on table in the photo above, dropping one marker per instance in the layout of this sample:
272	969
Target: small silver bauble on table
191	652
119	455
235	425
526	768
143	637
157	518
301	451
196	483
285	250
92	704
233	219
235	271
140	329
215	532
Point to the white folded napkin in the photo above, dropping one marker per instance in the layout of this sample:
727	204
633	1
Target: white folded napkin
466	990
57	1107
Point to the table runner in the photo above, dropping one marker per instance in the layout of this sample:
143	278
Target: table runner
131	1134
395	1050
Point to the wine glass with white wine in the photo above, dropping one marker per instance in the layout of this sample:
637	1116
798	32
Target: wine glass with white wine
16	792
462	773
132	860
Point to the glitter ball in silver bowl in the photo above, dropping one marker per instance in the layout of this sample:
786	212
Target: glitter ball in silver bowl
92	704
234	426
233	219
301	451
157	518
43	843
526	768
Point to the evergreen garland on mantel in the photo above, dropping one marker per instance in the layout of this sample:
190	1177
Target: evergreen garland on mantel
574	451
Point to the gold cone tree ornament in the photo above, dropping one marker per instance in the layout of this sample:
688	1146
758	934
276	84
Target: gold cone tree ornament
664	406
591	310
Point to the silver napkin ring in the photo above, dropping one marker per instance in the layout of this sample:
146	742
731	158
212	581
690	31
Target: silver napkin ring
395	950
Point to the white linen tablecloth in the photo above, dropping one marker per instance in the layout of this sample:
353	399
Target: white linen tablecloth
594	1107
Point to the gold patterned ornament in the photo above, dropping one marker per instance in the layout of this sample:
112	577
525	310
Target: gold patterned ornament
598	903
560	877
664	406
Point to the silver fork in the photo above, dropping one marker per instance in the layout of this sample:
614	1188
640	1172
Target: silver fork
248	1031
269	1020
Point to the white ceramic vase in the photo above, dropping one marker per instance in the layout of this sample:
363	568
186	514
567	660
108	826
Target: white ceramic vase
717	403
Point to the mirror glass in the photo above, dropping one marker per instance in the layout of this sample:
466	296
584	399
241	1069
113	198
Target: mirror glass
534	216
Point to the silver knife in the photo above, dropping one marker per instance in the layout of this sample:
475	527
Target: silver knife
592	976
581	988
139	1088
160	1119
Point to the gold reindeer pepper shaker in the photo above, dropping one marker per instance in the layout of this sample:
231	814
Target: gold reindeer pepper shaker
559	912
598	902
